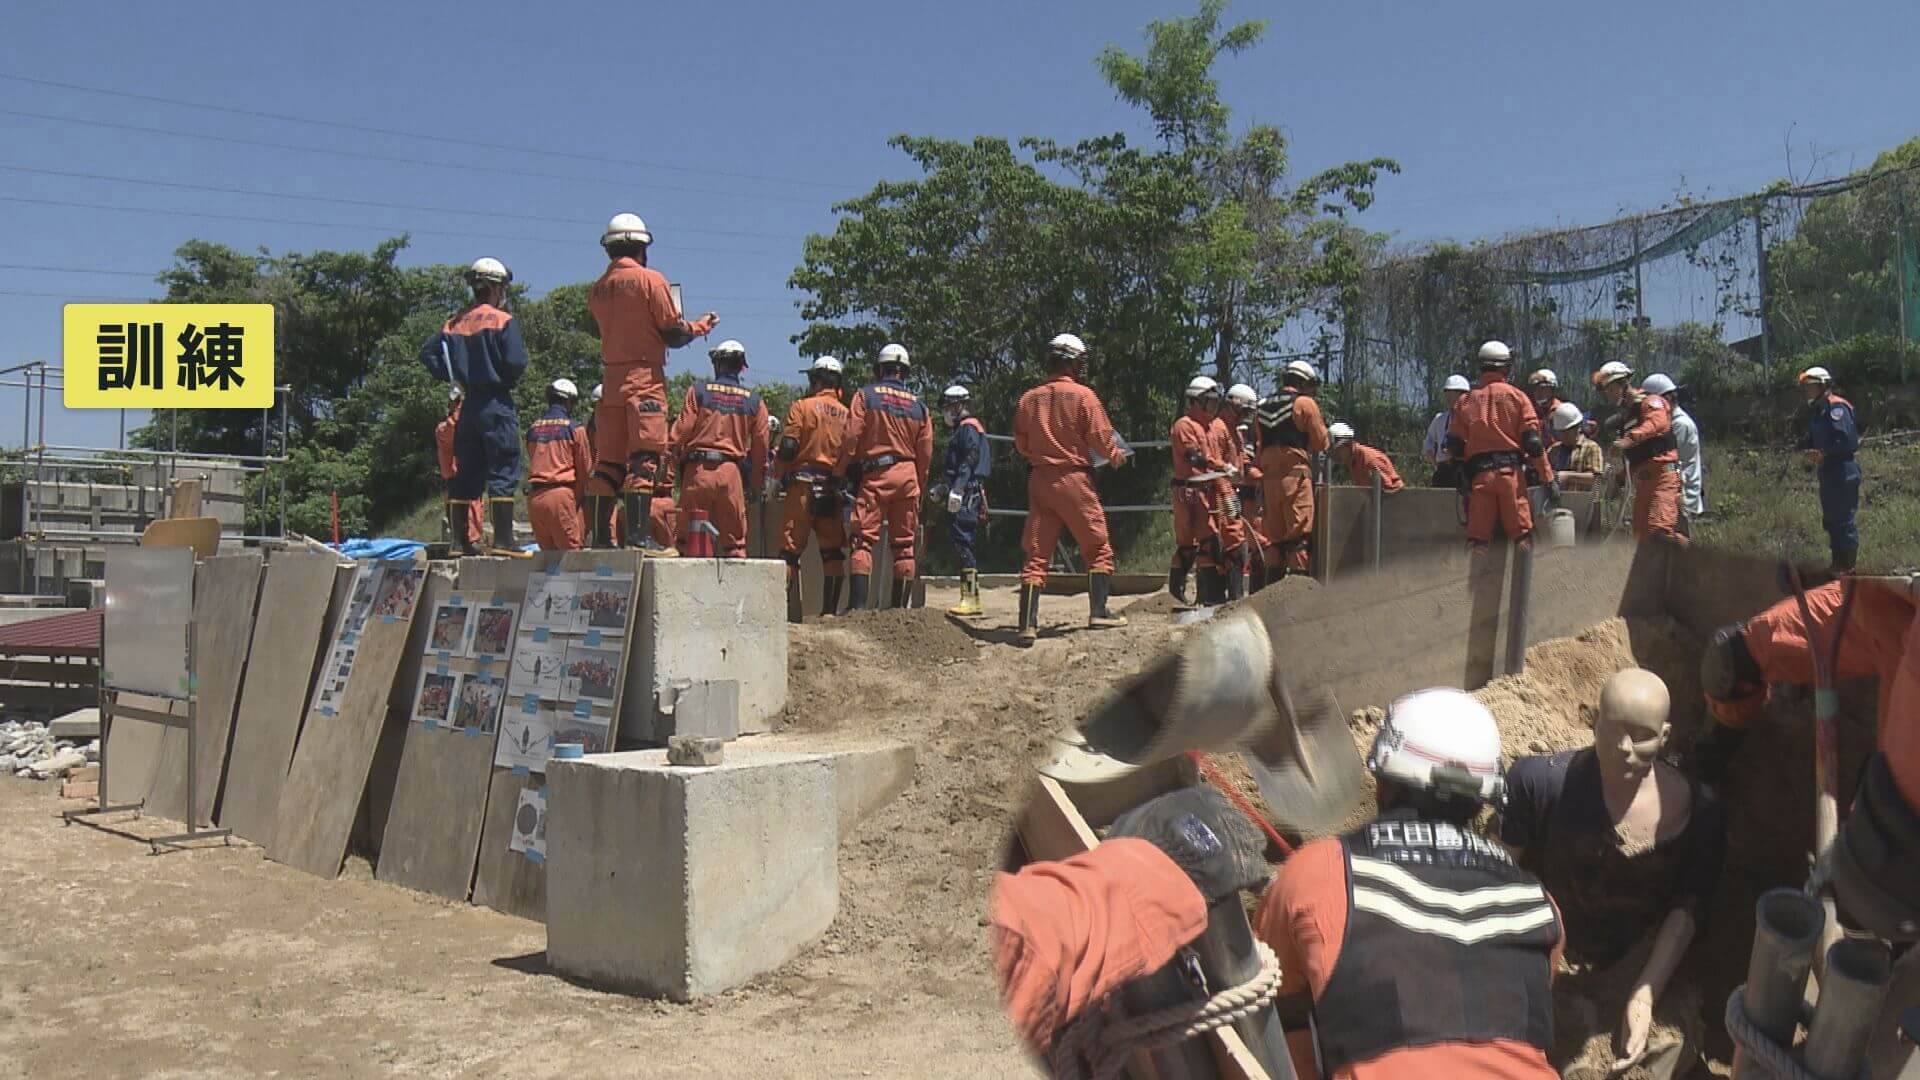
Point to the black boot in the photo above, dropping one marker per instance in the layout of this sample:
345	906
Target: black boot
1236	583
1029	630
640	525
1177	584
830	596
1844	561
1099	589
460	527
1212	586
600	521
501	510
1256	577
897	597
857	592
795	610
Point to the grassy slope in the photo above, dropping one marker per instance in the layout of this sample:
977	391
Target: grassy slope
1766	501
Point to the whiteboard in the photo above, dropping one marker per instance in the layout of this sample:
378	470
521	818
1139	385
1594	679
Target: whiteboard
148	617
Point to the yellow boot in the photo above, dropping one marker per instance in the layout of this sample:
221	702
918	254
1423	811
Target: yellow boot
969	605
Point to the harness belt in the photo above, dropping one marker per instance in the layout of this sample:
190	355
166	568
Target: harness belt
711	457
1660	467
883	461
1642	451
811	474
537	488
1499	459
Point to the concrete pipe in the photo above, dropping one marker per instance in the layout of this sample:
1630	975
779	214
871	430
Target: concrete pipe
1787	926
1856	976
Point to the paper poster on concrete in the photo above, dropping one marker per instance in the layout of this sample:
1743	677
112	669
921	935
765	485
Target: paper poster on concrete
341	654
477	704
492	633
433	702
398	591
583	724
149	609
549	603
591	675
365	581
526	736
530	825
452	625
536	667
603	603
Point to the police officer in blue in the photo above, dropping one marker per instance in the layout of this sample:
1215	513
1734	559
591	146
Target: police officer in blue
481	349
963	488
1833	437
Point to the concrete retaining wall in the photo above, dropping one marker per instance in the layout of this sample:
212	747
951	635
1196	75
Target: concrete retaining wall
708	619
1419	523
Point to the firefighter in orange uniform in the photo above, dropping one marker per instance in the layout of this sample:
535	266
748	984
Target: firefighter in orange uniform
1200	496
1237	418
1062	430
1653	457
888	450
559	457
1495	433
807	462
468	540
1289	432
639	321
720	440
1363	462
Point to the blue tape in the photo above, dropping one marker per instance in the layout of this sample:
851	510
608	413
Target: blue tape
456	601
530	704
593	639
473	732
499	599
347	638
389	618
603	571
326	710
432	724
440	669
534	856
484	661
541	633
583	707
444	655
520	770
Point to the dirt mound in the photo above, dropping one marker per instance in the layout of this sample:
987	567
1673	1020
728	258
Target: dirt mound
912	635
1160	603
1552	705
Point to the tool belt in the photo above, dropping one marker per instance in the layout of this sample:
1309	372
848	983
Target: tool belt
1664	466
709	457
811	474
1499	459
882	462
538	488
1639	453
824	497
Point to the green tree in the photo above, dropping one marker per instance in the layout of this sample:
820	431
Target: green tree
1836	277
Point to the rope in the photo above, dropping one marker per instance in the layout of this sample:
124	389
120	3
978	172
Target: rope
1240	801
1760	1050
1097	1045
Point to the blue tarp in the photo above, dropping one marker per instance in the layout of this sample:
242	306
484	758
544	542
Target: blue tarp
380	548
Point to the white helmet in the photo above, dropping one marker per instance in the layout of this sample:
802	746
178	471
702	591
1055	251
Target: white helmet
626	227
1566	415
1067	345
894	354
728	348
1242	395
1300	369
598	389
490	271
566	389
1440	740
1544	377
1658	384
1339	432
1457	382
955	395
1495	354
773	425
455	393
1201	386
828	364
1816	375
1611	372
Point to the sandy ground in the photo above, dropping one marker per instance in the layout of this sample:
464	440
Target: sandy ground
221	963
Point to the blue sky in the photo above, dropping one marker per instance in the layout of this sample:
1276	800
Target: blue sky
743	122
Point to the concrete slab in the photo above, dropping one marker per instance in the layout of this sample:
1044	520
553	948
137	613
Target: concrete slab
705	619
709	708
78	724
685	882
867	773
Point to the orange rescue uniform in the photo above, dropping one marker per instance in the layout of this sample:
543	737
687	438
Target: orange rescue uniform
1199	507
1655	460
634	309
720	440
1493	419
558	461
1286	466
1060	427
890	437
1233	528
817	423
1366	461
449	465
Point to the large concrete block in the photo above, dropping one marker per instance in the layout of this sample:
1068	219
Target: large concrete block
708	619
683	882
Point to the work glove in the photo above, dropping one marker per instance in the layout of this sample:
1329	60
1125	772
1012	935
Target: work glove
954	502
1553	493
1203	834
704	325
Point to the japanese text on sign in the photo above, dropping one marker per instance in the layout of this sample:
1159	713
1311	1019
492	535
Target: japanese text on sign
146	356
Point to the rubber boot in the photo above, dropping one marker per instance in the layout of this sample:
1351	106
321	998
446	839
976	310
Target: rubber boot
1099	589
640	526
458	511
1256	577
857	592
1236	583
795	611
1844	561
1177	584
902	588
1212	586
1029	628
969	605
600	521
830	596
500	511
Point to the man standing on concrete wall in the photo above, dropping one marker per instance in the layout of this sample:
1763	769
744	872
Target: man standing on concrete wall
481	350
559	457
720	440
963	489
807	461
1496	434
1446	469
1833	437
462	521
1291	430
887	454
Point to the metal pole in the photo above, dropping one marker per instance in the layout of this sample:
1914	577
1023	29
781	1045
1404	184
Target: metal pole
1526	324
1760	264
1639	292
285	391
1379	506
1856	976
1517	608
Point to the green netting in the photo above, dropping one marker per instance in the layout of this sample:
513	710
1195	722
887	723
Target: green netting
1704	226
1909	255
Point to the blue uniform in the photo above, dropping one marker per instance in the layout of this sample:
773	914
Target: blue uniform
966	472
481	349
1831	429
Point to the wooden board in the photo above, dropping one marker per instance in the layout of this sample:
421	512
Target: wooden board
132	750
224	591
202	534
439	805
321	798
294	599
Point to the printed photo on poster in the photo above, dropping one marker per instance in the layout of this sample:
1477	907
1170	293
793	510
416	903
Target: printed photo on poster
366	580
530	823
603	603
451	625
590	731
435	700
478	705
399	589
549	603
590	675
526	738
536	667
492	630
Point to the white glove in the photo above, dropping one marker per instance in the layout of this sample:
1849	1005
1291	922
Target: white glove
954	502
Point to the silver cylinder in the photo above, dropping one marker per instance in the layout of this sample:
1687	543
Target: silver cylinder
1850	991
1787	925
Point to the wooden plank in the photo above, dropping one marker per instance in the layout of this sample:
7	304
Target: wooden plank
225	589
432	838
202	534
1052	827
322	794
23	697
48	672
273	696
131	750
185	502
376	804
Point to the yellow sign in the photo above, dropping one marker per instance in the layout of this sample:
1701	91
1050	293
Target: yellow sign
168	356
